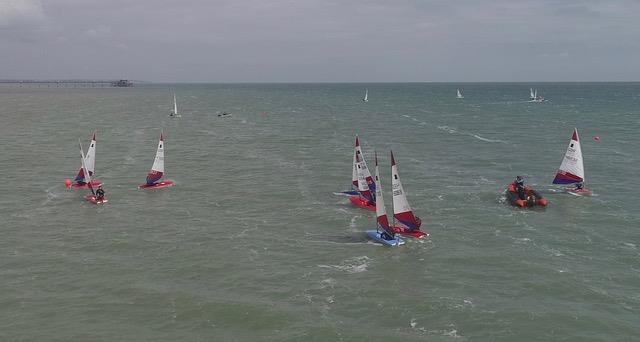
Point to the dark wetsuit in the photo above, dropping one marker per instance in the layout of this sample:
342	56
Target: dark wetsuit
99	194
386	236
520	188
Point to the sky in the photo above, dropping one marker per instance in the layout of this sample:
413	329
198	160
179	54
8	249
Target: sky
321	40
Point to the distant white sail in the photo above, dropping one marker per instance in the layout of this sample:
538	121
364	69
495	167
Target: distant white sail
175	105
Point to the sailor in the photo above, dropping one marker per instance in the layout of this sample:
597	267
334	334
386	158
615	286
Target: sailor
579	186
386	236
520	187
99	193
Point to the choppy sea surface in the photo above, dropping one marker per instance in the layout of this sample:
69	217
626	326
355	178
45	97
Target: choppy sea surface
252	244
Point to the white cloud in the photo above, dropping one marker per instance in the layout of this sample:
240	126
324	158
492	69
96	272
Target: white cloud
20	11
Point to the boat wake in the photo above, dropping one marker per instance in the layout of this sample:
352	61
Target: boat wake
488	140
352	265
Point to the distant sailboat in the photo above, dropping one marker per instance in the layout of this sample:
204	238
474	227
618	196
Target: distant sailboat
571	169
533	94
459	96
383	233
175	113
157	170
366	96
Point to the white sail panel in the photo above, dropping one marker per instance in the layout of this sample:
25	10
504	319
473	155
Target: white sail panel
157	170
90	159
401	208
572	167
175	105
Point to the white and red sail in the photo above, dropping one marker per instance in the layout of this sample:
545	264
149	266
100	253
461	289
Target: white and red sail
381	212
365	170
401	209
363	188
157	170
572	168
89	161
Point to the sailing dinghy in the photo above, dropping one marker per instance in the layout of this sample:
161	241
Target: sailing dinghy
157	170
383	233
533	95
80	182
92	198
366	96
174	113
459	95
406	223
571	169
365	198
354	173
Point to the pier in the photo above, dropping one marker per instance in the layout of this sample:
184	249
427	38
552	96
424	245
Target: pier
68	83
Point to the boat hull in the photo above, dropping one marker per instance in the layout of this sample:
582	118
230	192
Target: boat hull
375	235
158	185
415	233
536	200
362	203
347	193
70	185
92	199
579	192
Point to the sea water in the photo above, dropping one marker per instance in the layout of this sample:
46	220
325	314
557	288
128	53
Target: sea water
251	244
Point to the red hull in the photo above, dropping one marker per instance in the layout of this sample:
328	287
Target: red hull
92	199
579	192
94	183
416	233
362	203
514	198
159	185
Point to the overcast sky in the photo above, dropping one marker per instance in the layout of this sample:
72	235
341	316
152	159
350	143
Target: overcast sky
321	40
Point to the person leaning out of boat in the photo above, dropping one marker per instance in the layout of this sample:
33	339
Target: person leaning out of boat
579	185
99	194
520	187
386	236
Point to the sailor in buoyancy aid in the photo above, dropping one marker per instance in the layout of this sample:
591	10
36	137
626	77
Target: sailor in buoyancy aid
520	187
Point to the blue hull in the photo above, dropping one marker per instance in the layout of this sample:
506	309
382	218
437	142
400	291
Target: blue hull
375	235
